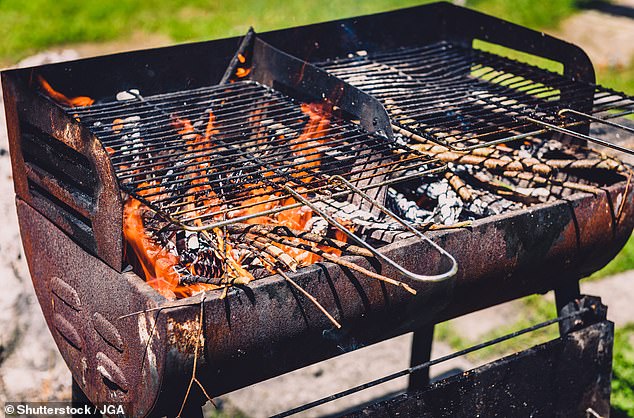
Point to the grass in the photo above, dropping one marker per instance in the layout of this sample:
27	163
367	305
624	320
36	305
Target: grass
623	372
536	14
536	309
27	27
618	78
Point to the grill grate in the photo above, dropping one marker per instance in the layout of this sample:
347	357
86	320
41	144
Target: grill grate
464	98
216	155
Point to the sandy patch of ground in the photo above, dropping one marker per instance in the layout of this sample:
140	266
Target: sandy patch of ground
138	40
607	39
617	292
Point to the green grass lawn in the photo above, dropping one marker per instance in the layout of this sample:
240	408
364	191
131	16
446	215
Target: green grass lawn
623	373
29	26
537	14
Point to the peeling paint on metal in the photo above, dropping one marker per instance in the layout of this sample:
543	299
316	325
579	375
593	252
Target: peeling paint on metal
147	325
185	335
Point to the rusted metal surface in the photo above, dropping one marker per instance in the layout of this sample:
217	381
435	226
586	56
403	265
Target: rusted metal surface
82	299
267	329
91	217
567	377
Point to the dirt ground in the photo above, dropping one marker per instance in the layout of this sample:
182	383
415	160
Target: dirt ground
32	369
606	37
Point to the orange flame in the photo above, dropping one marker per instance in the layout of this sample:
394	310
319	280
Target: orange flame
304	146
60	98
159	266
242	72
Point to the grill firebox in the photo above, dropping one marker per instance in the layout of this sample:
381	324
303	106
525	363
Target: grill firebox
389	85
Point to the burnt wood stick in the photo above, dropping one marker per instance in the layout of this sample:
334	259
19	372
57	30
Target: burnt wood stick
432	226
275	252
491	151
194	278
541	180
502	163
302	291
307	236
263	257
459	186
545	168
218	282
281	240
263	241
587	164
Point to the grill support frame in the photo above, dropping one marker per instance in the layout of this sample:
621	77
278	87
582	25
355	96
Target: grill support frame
566	238
534	381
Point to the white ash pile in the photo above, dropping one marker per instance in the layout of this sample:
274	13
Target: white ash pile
502	178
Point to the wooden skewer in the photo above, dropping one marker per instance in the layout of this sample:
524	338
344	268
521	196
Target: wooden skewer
431	226
334	259
277	253
484	157
344	263
266	230
459	186
301	290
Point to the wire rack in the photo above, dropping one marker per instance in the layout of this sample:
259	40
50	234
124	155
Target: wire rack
213	153
214	156
464	98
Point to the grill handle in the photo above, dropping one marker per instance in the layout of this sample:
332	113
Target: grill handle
593	139
405	272
465	25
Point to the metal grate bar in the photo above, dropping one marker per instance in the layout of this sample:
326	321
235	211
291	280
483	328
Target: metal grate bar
464	98
203	157
205	161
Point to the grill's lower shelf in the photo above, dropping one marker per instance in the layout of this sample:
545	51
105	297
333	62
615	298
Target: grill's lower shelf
266	329
566	377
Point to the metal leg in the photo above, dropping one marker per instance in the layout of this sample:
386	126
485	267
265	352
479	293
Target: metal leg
421	353
79	399
565	294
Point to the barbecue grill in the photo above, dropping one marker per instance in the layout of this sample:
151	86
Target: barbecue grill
163	119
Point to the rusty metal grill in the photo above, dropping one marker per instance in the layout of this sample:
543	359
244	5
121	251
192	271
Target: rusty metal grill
206	157
465	98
